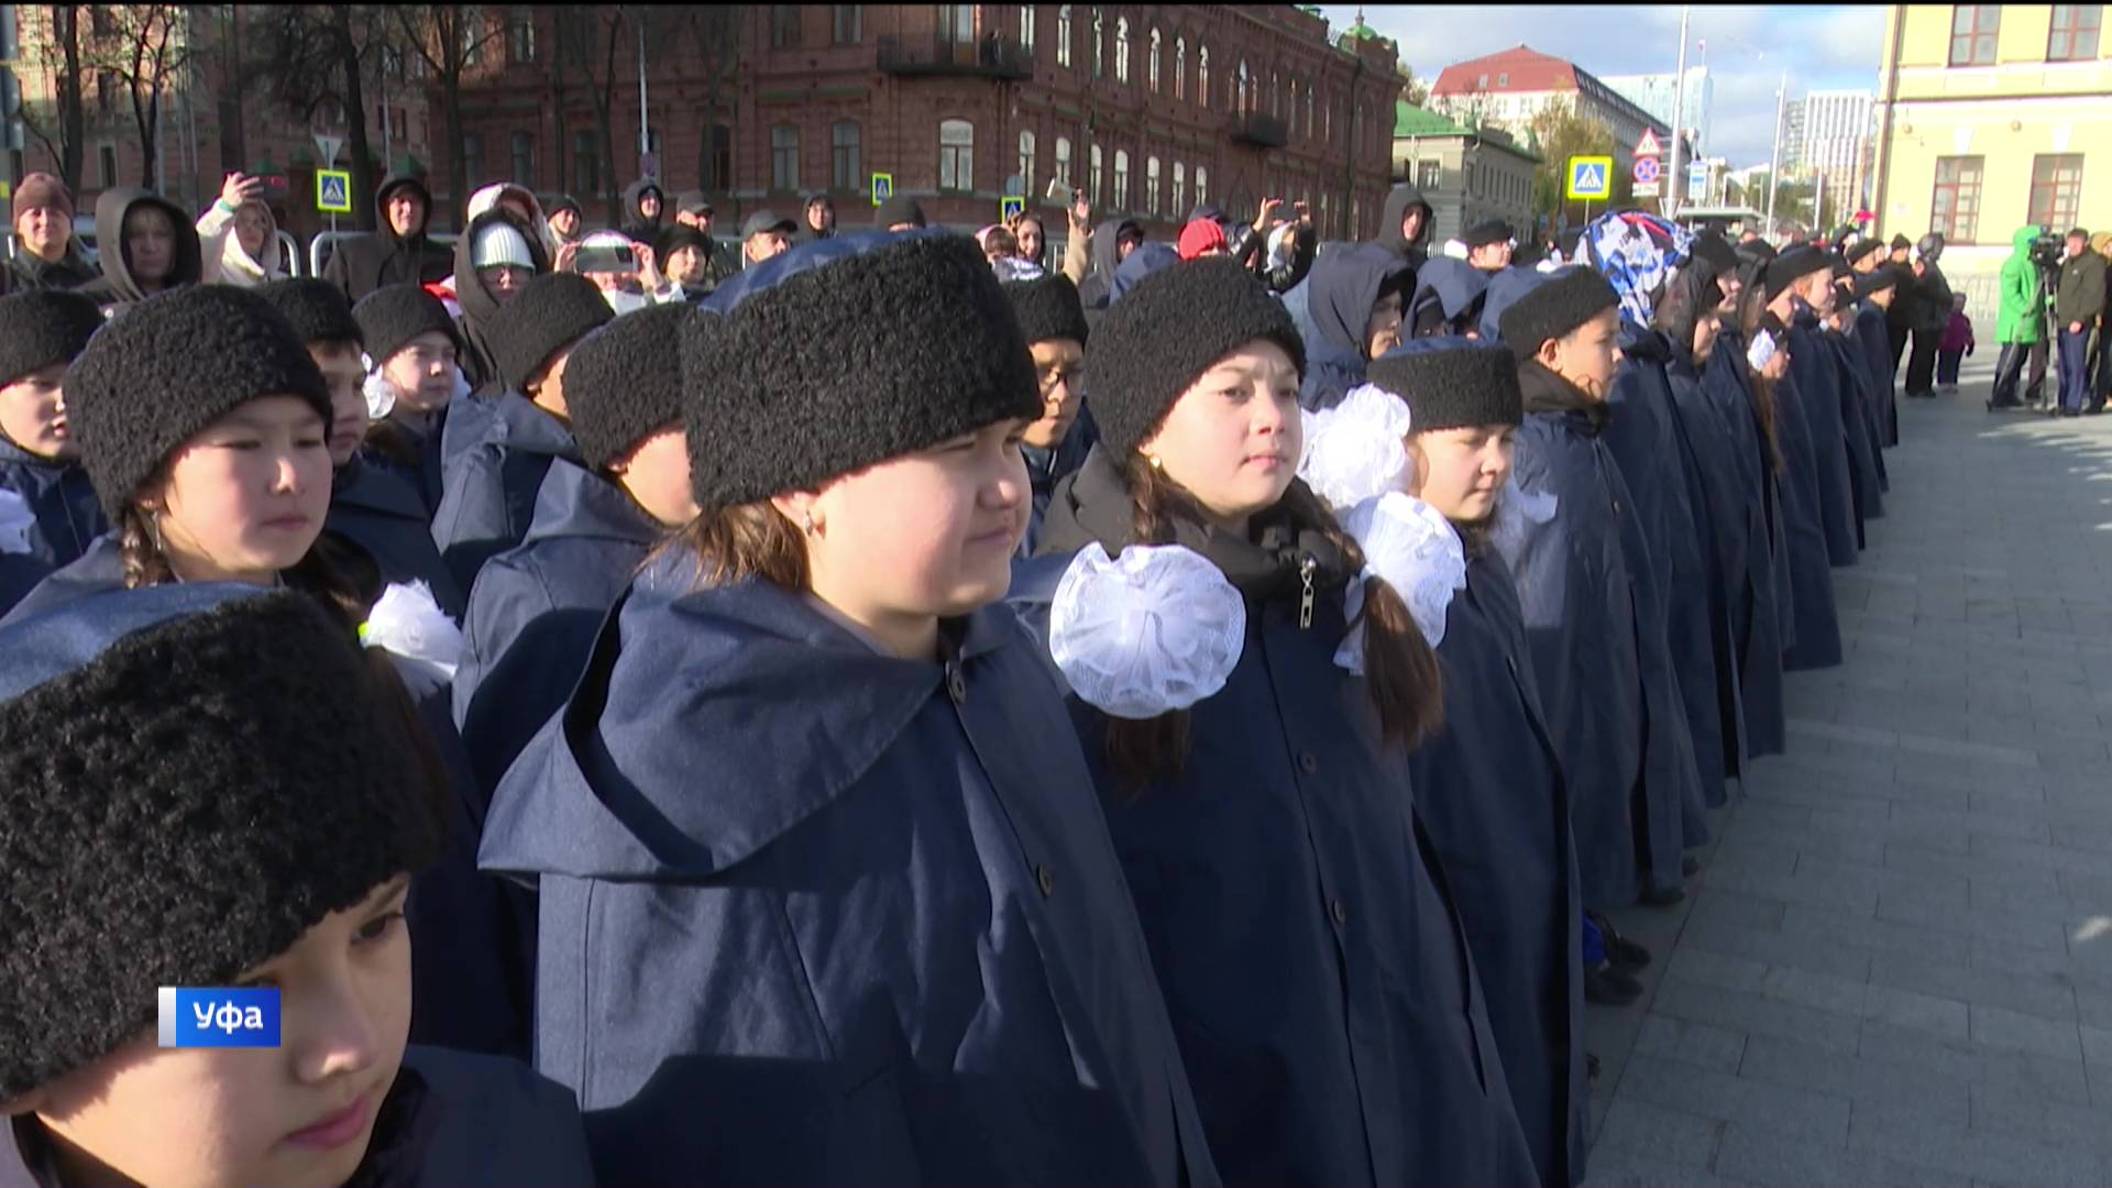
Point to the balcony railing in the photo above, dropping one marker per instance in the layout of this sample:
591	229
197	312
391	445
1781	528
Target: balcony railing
1260	129
941	55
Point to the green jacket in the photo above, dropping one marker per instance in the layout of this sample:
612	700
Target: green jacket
2023	292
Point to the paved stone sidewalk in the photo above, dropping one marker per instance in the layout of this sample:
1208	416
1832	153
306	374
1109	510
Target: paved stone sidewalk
1896	966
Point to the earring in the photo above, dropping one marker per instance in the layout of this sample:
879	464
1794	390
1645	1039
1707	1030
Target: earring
806	522
1153	460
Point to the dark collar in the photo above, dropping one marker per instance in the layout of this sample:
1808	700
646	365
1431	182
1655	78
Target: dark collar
1546	392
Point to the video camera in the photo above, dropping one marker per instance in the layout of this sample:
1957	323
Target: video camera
2046	250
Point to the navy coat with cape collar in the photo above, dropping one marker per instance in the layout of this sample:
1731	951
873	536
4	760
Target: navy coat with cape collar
491	486
380	511
1758	616
815	914
1817	384
1817	642
1313	961
68	515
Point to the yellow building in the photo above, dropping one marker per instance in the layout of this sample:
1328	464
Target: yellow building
1991	117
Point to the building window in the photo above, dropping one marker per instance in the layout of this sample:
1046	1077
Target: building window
848	25
1151	186
1202	75
2074	36
1099	44
105	90
1063	35
1026	29
470	29
1180	190
524	159
1121	179
1503	80
473	154
1154	67
784	157
1239	90
1955	210
2056	191
721	163
1202	185
520	37
1026	161
586	162
1973	29
1481	83
846	163
957	23
1094	174
1122	49
784	26
956	155
106	155
1180	68
1308	111
1063	159
1429	174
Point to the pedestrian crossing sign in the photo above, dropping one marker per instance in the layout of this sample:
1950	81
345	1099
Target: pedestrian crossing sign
333	191
1591	178
883	187
1010	207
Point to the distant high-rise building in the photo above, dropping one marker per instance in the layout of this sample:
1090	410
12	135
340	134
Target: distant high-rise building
1656	93
1792	136
1835	145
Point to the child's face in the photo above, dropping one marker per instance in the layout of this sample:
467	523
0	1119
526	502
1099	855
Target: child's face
297	1116
423	372
348	399
1460	472
1588	355
247	495
33	414
1234	438
928	534
657	475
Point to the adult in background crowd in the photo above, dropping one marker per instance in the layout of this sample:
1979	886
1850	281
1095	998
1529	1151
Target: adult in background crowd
239	238
2078	302
2101	243
1113	241
564	218
2020	318
643	204
148	246
494	260
694	211
817	218
899	213
1931	310
397	253
47	256
764	236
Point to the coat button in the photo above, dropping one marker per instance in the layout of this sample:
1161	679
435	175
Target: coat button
956	684
1046	878
1308	762
1336	909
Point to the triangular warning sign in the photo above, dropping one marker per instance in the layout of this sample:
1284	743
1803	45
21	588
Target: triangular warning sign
1648	145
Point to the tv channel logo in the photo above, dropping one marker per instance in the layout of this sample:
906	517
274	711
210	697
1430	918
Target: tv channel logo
215	1018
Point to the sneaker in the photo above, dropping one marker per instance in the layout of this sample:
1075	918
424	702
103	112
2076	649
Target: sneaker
1624	953
1610	986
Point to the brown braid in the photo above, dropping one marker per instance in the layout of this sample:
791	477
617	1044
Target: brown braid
1752	304
731	544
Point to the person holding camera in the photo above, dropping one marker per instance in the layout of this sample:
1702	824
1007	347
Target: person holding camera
2019	319
2078	301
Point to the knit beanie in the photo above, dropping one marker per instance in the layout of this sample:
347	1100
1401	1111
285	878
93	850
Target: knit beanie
40	328
549	314
173	365
1451	383
1792	266
1200	236
42	189
556	204
900	208
619	389
1170	329
1048	308
316	308
1570	297
500	243
191	777
1901	243
676	237
1862	248
391	316
920	347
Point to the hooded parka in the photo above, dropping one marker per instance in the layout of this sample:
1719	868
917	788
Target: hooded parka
118	287
1343	288
363	263
480	306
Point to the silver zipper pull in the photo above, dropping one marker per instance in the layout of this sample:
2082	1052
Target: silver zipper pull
1305	596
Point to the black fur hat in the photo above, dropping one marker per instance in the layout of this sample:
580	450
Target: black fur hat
1861	248
1793	265
38	329
1570	297
619	387
172	366
1456	385
391	316
1047	307
317	309
191	777
550	313
1170	329
916	345
1713	247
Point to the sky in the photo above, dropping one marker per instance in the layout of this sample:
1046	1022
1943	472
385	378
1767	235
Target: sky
1823	47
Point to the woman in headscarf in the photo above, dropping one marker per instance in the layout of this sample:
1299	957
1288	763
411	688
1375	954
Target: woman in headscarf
238	239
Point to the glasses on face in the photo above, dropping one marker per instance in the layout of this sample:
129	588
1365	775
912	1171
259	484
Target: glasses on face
1072	378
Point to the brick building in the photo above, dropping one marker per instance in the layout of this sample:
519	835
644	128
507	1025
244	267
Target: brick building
1150	109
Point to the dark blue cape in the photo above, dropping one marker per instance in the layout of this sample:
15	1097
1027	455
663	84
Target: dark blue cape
378	510
814	914
1447	299
1757	616
1817	642
1866	474
69	517
1341	289
1816	386
1873	339
1489	791
492	485
1709	458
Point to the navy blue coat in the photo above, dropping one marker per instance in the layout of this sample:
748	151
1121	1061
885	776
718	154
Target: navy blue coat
492	485
536	608
1311	955
382	513
468	986
814	914
69	517
1866	476
1715	494
1873	339
1585	624
1448	299
1341	289
1757	617
1817	643
1046	468
1686	741
1870	388
1490	793
459	426
1817	389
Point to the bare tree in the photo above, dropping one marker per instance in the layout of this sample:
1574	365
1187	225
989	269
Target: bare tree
146	53
51	43
313	58
452	41
594	38
717	31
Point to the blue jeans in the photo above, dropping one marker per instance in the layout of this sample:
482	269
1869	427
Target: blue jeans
2075	369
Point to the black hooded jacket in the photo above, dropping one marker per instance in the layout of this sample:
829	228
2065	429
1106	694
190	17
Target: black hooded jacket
364	263
480	307
117	288
1107	256
636	225
1398	202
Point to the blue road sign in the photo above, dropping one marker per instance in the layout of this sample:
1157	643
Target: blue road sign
333	191
1590	178
883	187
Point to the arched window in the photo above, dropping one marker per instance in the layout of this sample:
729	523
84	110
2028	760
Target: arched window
956	155
1093	174
1122	49
1063	159
1202	75
1121	179
1239	93
1151	185
1180	190
1099	45
1026	29
1180	69
1026	160
1063	35
1202	185
1308	111
1154	69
